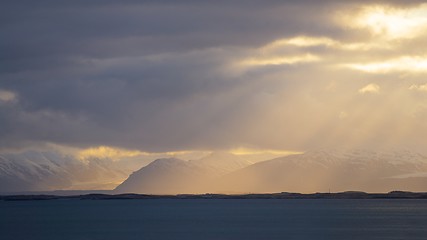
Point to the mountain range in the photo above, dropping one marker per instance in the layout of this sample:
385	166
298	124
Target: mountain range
49	170
220	172
313	171
174	176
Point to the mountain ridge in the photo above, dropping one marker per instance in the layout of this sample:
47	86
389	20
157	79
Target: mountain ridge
314	171
172	175
50	170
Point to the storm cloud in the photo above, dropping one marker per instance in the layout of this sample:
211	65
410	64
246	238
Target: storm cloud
201	75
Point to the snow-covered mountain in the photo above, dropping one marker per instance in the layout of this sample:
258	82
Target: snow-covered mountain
313	171
222	162
32	171
50	170
332	170
174	176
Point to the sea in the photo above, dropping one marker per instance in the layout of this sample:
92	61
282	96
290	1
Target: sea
263	219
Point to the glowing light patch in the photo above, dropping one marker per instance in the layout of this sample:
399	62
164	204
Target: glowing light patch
306	41
280	60
391	22
119	153
421	88
300	41
178	153
248	151
364	46
107	152
311	41
7	96
370	88
403	64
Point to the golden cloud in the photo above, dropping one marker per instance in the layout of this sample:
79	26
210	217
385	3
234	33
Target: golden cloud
401	64
250	151
7	96
289	60
309	41
389	22
299	41
370	88
115	153
107	152
422	88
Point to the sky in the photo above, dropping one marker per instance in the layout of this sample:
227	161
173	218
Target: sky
119	78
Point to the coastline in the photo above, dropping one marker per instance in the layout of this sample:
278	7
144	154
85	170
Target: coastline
282	195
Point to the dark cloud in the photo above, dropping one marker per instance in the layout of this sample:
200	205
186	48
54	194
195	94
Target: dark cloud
151	75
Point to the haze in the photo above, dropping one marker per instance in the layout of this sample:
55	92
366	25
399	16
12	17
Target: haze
128	82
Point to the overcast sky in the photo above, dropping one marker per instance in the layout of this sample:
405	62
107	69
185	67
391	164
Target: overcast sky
160	76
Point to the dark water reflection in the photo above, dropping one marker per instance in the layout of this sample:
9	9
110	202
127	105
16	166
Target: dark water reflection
214	219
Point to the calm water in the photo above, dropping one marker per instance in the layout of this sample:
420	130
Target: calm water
214	219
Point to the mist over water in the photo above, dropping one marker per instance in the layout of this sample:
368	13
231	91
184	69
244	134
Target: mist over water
213	219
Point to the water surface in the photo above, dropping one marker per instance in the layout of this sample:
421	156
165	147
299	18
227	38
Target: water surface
214	219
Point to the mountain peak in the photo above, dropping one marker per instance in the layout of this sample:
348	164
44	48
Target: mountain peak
166	161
